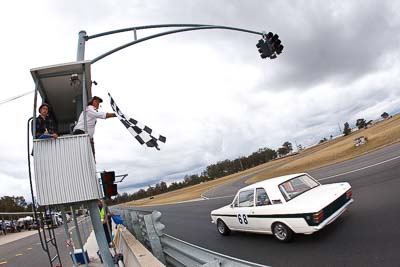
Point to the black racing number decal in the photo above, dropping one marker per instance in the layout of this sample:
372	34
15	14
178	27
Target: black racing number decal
242	219
245	219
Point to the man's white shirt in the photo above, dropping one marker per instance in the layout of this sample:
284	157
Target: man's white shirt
92	114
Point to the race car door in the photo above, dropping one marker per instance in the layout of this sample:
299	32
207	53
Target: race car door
242	208
260	215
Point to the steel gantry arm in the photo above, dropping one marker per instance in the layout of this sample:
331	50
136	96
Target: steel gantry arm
183	28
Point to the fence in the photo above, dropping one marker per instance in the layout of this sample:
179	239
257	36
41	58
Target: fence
83	228
171	251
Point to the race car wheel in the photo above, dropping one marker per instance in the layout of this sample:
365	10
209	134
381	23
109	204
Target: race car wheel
222	228
282	232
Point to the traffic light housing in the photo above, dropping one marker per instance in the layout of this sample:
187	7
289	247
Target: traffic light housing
263	48
108	182
269	46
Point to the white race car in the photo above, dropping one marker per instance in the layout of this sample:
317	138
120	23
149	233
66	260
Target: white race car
284	205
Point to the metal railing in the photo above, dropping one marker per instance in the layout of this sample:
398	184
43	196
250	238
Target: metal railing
171	251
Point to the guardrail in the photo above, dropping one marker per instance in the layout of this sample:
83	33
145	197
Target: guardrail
171	251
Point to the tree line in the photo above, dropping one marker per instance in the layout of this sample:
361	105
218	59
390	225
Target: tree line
362	123
211	172
14	204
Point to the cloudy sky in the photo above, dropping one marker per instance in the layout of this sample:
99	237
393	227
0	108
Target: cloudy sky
208	92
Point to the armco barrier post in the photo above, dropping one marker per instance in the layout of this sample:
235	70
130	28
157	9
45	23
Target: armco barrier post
126	218
143	231
135	226
154	230
158	226
131	221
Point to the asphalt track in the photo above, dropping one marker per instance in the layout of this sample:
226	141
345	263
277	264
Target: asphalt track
367	235
28	251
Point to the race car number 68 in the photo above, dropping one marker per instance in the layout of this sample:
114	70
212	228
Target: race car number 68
242	220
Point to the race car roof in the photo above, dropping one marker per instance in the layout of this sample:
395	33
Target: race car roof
273	181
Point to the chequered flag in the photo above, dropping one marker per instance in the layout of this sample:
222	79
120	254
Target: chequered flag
142	133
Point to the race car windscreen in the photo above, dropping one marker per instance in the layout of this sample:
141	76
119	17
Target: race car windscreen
297	186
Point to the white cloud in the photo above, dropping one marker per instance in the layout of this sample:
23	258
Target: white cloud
13	186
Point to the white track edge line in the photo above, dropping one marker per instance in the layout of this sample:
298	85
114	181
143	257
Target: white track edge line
360	169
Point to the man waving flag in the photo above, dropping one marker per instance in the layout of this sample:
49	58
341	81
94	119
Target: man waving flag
142	133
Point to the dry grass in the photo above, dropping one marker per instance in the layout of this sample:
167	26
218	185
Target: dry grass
342	149
333	151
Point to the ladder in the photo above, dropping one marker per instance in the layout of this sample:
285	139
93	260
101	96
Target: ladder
48	240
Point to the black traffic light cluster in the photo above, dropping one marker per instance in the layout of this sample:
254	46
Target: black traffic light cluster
108	182
269	46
